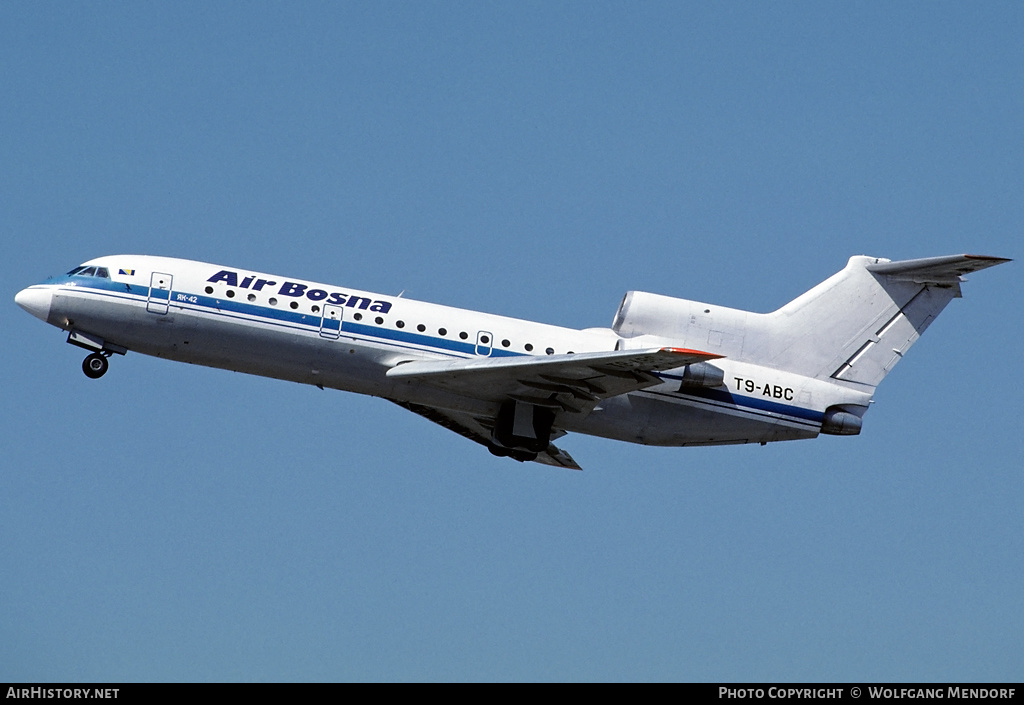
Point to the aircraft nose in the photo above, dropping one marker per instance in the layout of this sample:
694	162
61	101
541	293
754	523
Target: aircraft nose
36	300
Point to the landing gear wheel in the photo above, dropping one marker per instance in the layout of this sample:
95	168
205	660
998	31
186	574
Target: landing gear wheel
498	450
523	456
95	366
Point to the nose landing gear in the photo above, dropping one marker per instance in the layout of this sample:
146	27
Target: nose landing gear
95	365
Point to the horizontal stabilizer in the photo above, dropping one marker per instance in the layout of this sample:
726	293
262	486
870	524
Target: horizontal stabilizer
935	270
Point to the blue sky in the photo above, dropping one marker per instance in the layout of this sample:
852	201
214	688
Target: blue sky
170	522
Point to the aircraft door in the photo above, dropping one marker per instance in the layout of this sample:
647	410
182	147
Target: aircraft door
159	293
330	322
484	341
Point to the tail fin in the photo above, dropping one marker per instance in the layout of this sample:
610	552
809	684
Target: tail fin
856	325
853	327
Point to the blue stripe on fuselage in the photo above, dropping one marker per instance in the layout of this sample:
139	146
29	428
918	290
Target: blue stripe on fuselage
311	323
306	321
723	396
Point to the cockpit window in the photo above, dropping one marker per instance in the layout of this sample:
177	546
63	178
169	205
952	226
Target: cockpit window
84	271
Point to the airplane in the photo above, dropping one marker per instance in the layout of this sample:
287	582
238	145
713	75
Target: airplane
668	372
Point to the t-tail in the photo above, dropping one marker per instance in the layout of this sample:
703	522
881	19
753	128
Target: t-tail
852	328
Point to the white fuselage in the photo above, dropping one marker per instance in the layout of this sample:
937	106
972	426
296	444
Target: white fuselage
341	338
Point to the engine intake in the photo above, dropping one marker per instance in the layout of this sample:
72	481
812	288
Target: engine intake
702	374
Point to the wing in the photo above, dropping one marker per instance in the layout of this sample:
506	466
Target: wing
563	383
936	270
479	430
573	383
